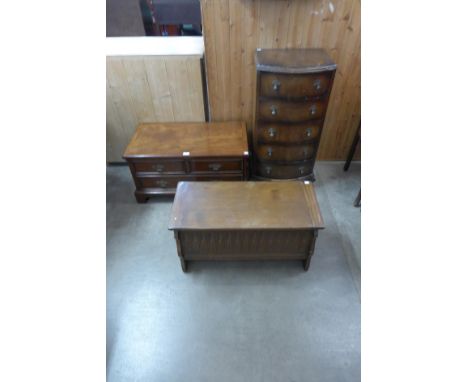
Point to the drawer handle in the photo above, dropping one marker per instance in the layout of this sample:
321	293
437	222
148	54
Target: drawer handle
273	110
158	167
271	132
317	84
161	183
276	85
313	109
214	166
269	151
305	152
268	170
301	170
309	132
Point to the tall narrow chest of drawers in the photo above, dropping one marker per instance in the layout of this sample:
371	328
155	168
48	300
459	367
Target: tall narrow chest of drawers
293	88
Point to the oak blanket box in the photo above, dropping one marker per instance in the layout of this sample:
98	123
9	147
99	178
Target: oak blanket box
245	221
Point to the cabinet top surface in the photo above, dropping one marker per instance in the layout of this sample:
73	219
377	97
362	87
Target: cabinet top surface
221	139
293	60
245	205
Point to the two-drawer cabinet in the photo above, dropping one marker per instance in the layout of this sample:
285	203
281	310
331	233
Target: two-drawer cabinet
293	88
162	154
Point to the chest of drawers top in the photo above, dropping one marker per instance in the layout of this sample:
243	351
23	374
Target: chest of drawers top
293	61
173	140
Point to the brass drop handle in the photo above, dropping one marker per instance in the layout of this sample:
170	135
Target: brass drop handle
269	151
276	85
309	132
317	84
273	110
268	170
313	109
158	167
214	166
271	132
161	183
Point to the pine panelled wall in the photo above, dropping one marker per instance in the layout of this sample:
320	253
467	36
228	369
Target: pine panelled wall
234	29
150	89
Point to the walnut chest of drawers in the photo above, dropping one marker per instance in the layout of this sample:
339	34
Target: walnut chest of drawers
161	154
293	88
245	221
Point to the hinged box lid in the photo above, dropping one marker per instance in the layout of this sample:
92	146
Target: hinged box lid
245	205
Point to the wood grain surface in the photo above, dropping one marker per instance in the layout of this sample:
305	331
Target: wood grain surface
222	139
234	29
245	205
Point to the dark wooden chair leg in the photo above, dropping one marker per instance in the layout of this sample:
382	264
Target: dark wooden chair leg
352	149
357	201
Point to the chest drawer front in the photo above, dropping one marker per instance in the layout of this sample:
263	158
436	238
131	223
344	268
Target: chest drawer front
269	170
170	182
294	85
284	111
275	132
160	166
214	166
285	153
159	181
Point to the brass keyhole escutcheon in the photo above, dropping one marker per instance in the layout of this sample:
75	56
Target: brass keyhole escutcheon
276	85
317	85
214	166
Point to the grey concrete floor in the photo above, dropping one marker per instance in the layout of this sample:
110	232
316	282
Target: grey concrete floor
236	321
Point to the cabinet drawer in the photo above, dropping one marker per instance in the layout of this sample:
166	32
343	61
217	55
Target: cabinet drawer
275	132
275	171
294	86
159	182
284	111
160	166
171	181
285	153
214	165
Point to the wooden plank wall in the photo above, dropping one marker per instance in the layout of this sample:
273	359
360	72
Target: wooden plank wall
150	89
233	29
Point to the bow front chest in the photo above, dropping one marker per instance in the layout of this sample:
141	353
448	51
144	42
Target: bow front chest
293	88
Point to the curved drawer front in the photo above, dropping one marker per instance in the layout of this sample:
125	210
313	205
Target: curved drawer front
268	170
285	153
284	111
275	132
294	86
